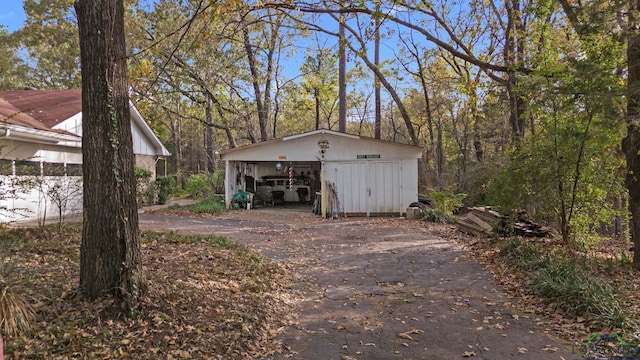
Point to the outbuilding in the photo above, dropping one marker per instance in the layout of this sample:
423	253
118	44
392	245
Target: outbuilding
337	172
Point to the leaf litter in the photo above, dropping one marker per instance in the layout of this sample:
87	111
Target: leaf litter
207	299
203	304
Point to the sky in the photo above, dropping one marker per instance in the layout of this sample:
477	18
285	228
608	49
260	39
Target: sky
12	18
11	14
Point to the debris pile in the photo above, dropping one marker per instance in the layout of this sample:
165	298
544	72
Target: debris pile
486	221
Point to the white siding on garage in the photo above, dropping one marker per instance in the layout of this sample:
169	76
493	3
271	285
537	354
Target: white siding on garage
384	187
349	183
370	186
408	182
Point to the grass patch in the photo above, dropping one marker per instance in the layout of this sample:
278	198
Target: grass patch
209	297
524	254
211	206
569	285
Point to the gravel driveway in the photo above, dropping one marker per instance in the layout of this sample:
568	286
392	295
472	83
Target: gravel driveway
377	288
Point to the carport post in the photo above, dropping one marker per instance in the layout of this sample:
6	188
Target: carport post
227	182
323	191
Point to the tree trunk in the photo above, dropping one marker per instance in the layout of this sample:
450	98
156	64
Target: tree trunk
232	142
342	79
631	143
475	117
176	137
376	84
263	115
512	56
316	97
110	259
209	137
440	151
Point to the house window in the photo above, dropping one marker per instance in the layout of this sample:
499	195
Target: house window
53	169
27	168
74	169
6	167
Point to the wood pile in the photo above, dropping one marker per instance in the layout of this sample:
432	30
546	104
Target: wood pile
486	221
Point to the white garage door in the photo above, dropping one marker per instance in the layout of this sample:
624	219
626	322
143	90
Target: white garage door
349	183
384	186
367	187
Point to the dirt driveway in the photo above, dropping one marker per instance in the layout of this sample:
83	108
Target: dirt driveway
379	289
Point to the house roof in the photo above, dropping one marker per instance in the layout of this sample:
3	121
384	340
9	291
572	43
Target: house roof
49	107
45	109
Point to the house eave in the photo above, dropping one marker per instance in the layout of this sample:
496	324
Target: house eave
137	117
8	131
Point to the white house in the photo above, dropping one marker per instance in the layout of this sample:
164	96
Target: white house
365	175
41	152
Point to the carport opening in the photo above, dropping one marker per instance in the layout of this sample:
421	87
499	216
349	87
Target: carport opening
280	183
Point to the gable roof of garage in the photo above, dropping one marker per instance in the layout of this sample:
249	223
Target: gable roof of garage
309	151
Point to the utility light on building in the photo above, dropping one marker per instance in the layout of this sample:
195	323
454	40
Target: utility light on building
323	144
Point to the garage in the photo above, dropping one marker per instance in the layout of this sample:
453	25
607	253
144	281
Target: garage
335	173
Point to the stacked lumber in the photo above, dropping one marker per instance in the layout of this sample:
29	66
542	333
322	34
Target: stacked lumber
486	221
479	221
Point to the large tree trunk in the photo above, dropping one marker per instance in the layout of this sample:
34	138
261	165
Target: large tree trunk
513	55
631	143
263	114
110	260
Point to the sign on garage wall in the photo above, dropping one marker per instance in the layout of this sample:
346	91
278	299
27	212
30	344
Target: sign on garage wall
368	156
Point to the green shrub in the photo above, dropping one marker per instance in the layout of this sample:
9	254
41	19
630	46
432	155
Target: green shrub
199	186
217	181
446	201
436	215
144	186
165	186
